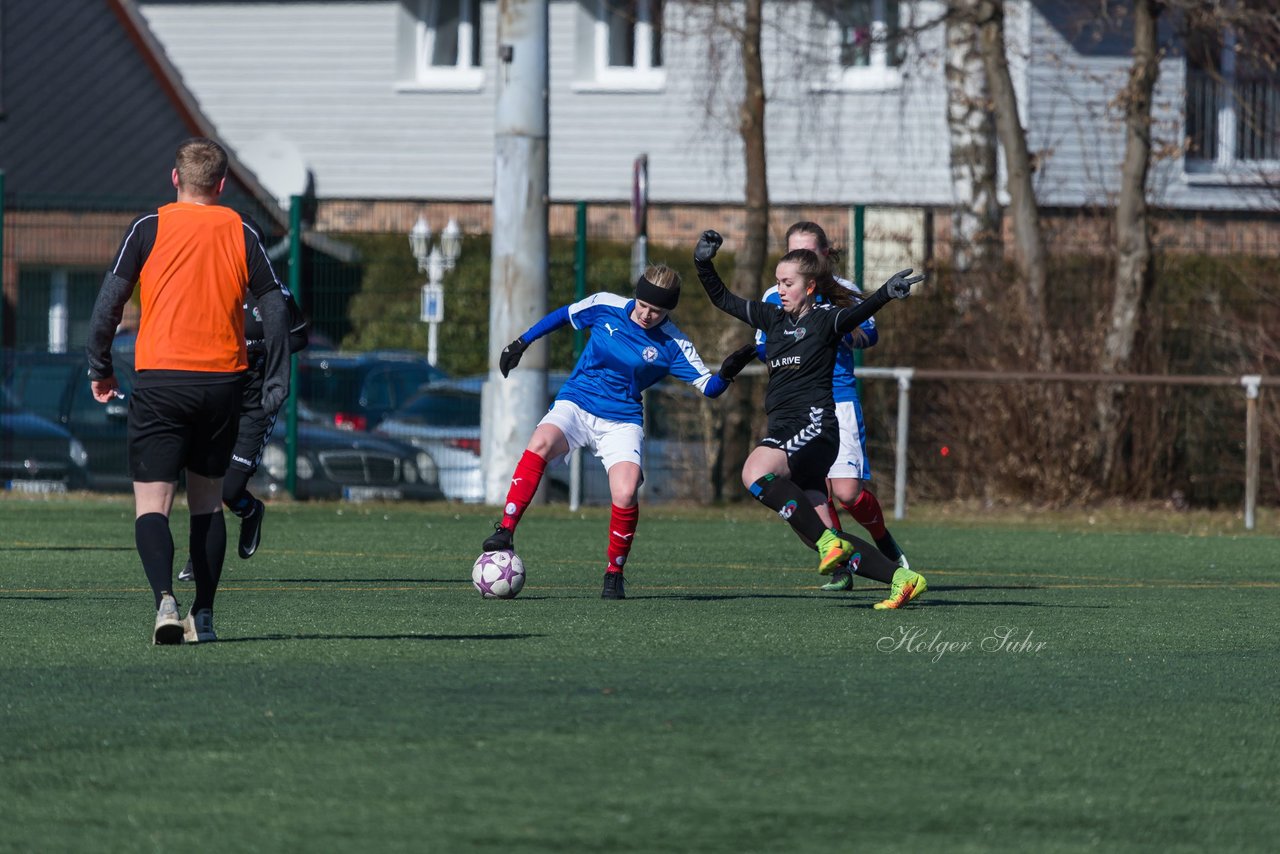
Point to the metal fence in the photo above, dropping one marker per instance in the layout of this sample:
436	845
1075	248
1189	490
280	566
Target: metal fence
978	426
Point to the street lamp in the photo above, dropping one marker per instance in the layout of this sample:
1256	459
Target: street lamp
420	242
434	261
451	243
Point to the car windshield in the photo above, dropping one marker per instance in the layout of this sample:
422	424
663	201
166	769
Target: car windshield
443	408
329	387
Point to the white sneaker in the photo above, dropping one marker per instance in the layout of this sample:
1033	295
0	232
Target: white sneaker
168	627
198	627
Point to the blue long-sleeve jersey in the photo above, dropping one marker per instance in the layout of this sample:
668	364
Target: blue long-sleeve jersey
622	358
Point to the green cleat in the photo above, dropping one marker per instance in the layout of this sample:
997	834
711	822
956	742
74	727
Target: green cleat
833	550
841	579
907	585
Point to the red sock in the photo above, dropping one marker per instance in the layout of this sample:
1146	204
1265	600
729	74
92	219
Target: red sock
835	516
866	511
622	532
524	483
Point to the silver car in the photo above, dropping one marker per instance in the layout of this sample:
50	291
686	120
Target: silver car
443	419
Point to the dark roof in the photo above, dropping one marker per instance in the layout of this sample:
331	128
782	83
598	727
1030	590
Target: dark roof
93	111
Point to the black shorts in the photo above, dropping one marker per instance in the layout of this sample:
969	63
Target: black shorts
255	427
811	442
176	427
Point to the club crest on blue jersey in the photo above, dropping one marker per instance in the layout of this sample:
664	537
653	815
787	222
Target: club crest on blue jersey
650	354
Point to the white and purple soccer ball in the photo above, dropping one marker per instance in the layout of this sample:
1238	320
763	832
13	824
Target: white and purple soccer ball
498	575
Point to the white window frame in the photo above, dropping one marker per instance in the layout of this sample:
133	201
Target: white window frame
1226	167
466	75
643	76
877	75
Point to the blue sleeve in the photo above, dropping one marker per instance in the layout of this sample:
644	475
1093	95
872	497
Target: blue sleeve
715	386
546	325
869	335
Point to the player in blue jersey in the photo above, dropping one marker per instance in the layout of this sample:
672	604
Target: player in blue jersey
787	470
633	345
847	477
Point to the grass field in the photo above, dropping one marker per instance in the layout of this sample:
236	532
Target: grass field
1065	685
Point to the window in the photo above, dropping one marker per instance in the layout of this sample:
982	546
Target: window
443	45
628	43
1232	105
865	39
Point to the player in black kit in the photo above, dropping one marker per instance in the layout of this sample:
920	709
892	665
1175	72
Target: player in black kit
255	424
787	470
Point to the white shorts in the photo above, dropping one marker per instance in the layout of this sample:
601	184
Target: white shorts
612	442
851	460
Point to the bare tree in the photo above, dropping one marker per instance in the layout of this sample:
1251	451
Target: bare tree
749	267
988	17
975	217
743	23
1133	271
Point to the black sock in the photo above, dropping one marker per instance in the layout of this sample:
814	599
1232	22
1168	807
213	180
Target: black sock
789	501
208	551
235	491
889	547
155	547
871	563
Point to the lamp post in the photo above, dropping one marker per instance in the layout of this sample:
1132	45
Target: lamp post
434	261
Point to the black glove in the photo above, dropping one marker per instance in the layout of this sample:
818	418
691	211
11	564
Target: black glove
511	356
899	286
736	361
708	245
273	397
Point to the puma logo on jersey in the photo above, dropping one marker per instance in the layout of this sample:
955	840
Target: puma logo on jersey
610	328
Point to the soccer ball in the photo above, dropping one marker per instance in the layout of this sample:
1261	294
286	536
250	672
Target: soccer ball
498	575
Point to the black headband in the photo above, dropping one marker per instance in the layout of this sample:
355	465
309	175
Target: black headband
647	291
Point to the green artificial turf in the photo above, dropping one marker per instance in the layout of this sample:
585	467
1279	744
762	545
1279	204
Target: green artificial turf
1058	688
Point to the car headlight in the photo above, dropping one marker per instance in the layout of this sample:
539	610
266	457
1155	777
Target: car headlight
79	456
306	470
426	467
409	472
275	461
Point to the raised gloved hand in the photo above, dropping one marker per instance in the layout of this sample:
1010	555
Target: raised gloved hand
708	245
511	356
737	360
899	285
273	397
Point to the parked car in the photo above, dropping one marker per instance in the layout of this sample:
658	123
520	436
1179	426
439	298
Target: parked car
443	419
37	455
332	463
341	464
55	386
355	391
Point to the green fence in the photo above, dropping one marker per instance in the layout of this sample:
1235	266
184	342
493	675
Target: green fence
1210	314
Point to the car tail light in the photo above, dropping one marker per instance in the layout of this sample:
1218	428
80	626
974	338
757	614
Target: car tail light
350	421
472	445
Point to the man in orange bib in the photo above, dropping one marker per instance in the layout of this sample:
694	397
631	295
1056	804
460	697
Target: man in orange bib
194	261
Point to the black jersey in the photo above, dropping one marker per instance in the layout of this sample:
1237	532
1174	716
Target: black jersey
801	353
